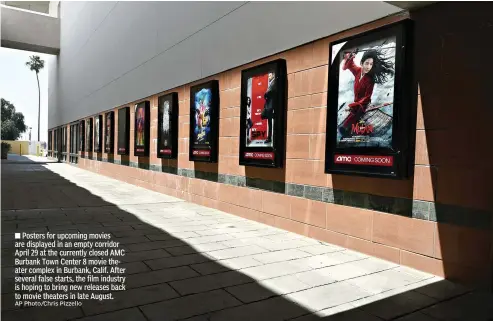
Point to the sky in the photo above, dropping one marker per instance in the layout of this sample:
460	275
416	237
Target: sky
18	85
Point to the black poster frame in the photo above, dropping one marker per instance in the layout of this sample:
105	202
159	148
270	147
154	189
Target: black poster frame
265	156
98	140
398	158
50	139
55	139
203	152
82	137
172	151
64	139
111	147
59	141
89	134
140	150
123	133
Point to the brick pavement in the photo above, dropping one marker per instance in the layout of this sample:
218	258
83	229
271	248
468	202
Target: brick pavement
189	262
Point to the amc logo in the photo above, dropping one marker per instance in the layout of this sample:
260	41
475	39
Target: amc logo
343	159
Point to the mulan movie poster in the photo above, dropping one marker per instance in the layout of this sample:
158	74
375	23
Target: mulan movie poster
109	129
123	130
370	103
204	120
141	129
167	126
263	114
366	93
89	135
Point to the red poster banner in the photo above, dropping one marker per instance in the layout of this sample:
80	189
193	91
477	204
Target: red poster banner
364	160
259	155
259	125
201	152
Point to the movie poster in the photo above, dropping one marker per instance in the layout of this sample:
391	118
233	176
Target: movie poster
109	129
97	133
263	114
202	124
204	119
260	122
50	140
167	126
370	103
64	139
55	139
123	130
141	143
81	136
366	93
89	135
73	138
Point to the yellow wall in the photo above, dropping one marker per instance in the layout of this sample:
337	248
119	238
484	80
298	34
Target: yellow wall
18	147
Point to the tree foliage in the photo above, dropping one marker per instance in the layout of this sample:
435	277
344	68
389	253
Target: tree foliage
35	63
12	122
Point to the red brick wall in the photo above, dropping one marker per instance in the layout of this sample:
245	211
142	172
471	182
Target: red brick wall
447	169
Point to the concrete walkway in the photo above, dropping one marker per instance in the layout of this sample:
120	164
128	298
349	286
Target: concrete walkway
189	262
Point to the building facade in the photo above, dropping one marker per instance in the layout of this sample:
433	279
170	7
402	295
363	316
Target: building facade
439	219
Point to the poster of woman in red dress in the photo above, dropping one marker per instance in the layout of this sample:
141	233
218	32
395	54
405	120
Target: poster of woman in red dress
366	94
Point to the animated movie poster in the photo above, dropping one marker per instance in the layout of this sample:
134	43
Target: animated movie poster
141	137
167	121
366	93
81	136
89	135
202	129
108	132
97	134
260	110
123	130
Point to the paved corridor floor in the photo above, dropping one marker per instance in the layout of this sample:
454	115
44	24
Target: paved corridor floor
188	262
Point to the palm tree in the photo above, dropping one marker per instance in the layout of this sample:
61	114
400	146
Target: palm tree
36	64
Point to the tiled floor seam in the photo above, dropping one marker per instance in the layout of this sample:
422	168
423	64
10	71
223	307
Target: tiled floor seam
239	271
421	309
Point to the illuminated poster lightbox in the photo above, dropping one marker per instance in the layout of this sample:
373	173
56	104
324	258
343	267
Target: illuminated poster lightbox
263	115
141	128
89	135
167	128
370	105
81	136
123	131
98	130
109	131
204	122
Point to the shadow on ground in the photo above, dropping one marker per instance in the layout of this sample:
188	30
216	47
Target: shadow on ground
169	275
